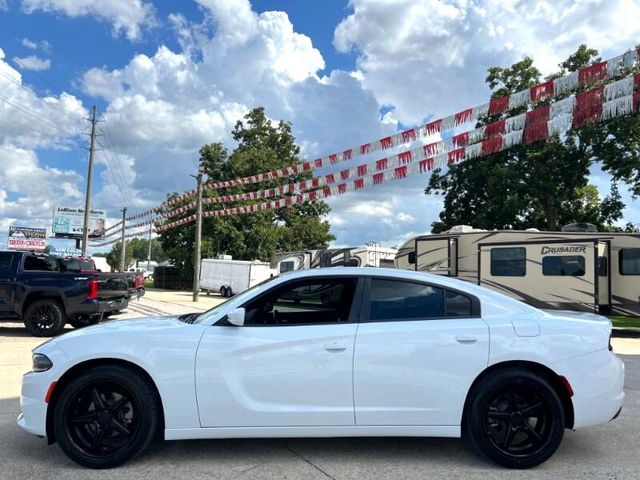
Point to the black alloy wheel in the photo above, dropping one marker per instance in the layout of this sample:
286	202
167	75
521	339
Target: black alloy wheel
44	318
103	418
106	415
515	417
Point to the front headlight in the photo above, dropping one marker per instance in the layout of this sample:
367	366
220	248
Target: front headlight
41	363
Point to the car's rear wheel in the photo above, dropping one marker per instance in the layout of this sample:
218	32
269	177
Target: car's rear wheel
44	318
106	416
515	418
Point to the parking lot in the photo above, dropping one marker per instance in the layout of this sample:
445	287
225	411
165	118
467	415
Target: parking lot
606	452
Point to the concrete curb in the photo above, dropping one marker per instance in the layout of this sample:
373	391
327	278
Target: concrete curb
626	333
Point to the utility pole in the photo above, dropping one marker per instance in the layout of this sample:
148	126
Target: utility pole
87	198
149	253
196	253
123	250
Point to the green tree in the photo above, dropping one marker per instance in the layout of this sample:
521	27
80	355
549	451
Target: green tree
545	184
137	249
113	257
263	146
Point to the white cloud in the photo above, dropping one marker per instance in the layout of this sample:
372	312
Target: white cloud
29	43
43	45
430	57
126	16
33	62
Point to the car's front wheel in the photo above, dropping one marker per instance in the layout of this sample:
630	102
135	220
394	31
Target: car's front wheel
515	418
105	416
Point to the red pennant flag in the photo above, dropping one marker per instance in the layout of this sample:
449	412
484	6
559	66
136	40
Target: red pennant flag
592	73
287	200
272	192
318	162
461	139
342	188
294	169
382	164
400	173
409	135
299	199
636	81
330	178
306	166
386	143
344	174
455	155
463	116
498	105
431	149
313	196
636	101
534	133
434	127
362	169
364	149
495	128
303	184
347	154
588	107
426	165
315	182
404	157
327	191
542	91
378	178
538	115
284	172
333	158
358	183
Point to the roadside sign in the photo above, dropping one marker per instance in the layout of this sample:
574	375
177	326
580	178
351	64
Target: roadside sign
27	238
68	222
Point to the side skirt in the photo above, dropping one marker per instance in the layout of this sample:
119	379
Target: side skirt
452	431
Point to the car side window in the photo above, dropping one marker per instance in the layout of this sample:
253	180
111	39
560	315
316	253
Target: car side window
5	262
458	305
308	302
42	264
401	300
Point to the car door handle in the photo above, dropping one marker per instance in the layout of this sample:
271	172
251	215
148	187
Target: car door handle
466	340
335	346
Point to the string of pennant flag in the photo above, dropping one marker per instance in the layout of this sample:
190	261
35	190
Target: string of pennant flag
592	105
533	121
586	107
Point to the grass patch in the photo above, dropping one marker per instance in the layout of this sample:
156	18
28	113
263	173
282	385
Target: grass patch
148	283
625	322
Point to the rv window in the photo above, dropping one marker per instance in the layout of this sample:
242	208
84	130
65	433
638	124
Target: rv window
508	262
603	266
412	258
399	300
563	266
629	261
458	305
386	263
286	266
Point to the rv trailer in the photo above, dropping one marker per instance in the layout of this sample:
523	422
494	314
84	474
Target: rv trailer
569	270
368	256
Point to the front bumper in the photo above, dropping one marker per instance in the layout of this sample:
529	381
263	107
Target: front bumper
597	380
33	418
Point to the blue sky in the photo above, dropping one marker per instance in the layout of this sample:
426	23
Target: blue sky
170	76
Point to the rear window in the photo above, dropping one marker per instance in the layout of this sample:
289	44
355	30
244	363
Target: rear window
86	265
41	264
286	266
400	300
5	262
629	261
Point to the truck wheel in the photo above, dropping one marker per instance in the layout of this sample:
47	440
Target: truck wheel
223	292
44	318
229	292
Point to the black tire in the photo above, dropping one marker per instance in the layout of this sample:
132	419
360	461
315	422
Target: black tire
223	292
82	322
44	318
515	418
229	292
106	416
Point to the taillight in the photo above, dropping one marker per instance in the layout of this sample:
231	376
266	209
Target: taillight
93	290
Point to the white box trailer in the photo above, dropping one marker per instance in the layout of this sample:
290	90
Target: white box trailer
229	277
585	271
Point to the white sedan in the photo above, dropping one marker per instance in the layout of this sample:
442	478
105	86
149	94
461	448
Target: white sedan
330	353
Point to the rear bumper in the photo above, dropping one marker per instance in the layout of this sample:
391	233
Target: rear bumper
94	308
597	380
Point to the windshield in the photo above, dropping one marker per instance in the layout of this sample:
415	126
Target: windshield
237	299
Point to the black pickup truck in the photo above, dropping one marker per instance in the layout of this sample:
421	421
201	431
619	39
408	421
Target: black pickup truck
45	294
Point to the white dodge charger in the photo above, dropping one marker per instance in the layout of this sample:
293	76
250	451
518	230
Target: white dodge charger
330	353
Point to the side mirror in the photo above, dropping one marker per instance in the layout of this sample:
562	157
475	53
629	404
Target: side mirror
236	317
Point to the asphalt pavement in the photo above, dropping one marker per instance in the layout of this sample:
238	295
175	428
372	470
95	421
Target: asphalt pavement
607	452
